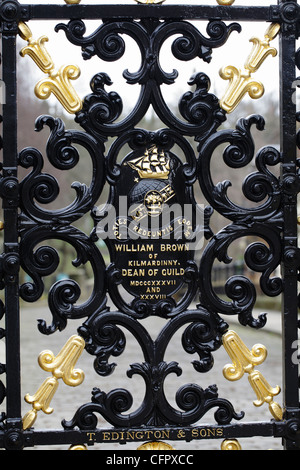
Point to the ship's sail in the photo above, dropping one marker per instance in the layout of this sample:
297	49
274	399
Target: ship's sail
153	164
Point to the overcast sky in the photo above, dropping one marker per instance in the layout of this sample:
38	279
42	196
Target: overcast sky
234	52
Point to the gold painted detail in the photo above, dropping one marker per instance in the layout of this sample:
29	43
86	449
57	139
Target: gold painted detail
231	444
72	2
225	2
57	82
158	435
241	81
244	360
61	367
155	446
154	164
150	2
78	447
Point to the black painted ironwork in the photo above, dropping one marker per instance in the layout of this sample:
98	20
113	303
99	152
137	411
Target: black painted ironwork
28	224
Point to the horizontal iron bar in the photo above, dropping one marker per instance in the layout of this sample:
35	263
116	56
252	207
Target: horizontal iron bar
143	434
189	12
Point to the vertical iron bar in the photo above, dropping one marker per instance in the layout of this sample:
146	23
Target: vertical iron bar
288	178
288	175
10	211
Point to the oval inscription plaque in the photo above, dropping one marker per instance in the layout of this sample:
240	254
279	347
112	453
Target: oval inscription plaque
153	227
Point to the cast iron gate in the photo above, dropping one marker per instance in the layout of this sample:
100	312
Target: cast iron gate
151	224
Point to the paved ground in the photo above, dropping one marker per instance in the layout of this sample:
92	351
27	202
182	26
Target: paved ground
67	400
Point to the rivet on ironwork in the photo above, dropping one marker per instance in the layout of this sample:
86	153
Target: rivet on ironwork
241	81
244	360
62	367
58	82
231	444
9	11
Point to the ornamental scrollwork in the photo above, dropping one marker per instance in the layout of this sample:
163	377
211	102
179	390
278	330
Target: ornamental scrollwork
202	336
63	295
106	42
126	164
194	400
61	151
261	257
261	186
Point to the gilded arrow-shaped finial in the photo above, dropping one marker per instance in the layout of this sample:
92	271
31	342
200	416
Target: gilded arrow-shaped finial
241	81
57	82
244	361
61	367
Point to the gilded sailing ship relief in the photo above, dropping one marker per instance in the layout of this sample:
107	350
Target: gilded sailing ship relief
152	228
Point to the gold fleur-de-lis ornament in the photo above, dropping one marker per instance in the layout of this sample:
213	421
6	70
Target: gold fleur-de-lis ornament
243	361
241	81
62	367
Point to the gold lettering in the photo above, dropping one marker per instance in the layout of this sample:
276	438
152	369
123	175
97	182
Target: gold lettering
206	432
153	289
139	264
174	247
133	272
153	296
152	272
91	436
173	272
133	248
196	433
165	435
